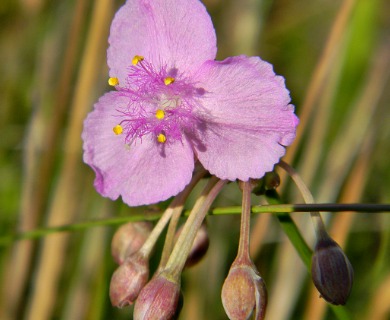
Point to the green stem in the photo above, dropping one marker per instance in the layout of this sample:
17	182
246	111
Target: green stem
292	231
178	257
176	207
318	223
304	207
272	208
169	239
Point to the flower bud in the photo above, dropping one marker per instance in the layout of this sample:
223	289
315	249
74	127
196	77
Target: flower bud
243	291
269	182
128	280
128	239
332	273
199	247
158	300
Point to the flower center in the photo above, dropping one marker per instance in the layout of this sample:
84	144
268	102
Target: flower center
160	103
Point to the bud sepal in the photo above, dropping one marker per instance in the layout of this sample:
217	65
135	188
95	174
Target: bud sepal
128	280
159	299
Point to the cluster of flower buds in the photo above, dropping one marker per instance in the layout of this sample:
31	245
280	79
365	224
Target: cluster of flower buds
244	294
133	271
160	297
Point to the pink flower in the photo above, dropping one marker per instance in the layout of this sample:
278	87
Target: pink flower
175	104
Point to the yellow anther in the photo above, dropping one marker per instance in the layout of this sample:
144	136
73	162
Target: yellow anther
113	81
169	80
161	138
117	129
137	59
160	114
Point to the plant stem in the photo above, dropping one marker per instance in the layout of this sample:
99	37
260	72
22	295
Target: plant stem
168	245
303	208
183	245
243	247
301	246
175	207
318	223
272	208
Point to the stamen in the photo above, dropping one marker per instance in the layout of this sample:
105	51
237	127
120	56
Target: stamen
169	80
161	138
160	114
117	129
113	81
137	59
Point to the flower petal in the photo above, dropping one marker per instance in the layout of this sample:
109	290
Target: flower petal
170	33
146	172
249	118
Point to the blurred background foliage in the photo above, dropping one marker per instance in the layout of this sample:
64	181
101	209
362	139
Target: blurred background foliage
335	57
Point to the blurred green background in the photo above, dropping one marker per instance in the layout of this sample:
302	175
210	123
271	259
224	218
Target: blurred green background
335	56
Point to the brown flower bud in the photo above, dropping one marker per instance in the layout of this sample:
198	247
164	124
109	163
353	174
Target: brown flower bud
332	273
271	180
199	247
128	280
158	300
243	291
128	239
